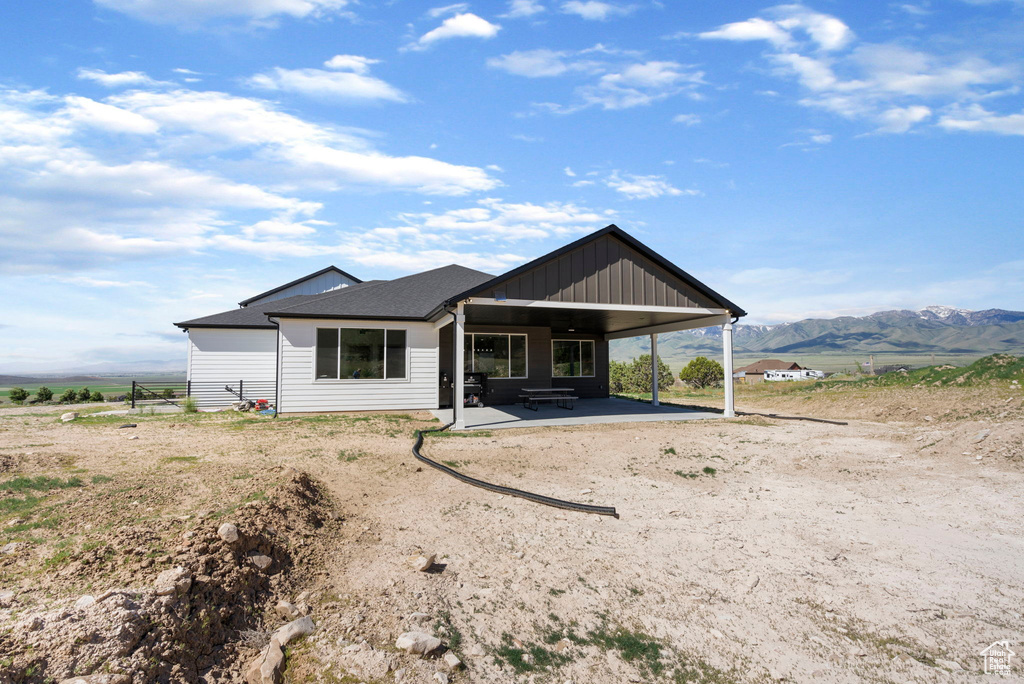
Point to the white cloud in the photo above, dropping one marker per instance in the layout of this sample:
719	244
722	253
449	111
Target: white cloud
519	9
976	119
346	86
531	63
894	87
644	187
107	117
686	119
594	10
354	63
621	81
119	80
902	119
467	25
193	12
457	8
569	172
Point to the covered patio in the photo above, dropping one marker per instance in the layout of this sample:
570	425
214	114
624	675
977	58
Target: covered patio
586	412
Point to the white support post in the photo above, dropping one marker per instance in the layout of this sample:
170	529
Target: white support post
458	407
730	404
654	369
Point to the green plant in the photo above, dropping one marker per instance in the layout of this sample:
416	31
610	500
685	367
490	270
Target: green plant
168	393
84	394
70	396
97	396
17	395
44	393
702	372
634	377
189	405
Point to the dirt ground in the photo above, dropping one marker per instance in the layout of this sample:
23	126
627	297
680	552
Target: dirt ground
748	550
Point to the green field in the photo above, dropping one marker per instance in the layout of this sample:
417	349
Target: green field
109	385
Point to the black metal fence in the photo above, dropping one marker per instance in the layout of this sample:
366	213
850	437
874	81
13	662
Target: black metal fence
205	394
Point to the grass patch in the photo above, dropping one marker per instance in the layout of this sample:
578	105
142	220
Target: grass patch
708	470
669	451
349	456
101	479
180	459
41	483
633	647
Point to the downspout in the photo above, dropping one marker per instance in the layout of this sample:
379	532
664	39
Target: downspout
277	370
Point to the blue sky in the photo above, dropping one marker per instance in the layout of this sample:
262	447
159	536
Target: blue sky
164	159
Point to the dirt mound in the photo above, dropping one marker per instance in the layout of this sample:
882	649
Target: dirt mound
197	621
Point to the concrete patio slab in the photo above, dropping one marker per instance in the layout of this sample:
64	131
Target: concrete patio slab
586	412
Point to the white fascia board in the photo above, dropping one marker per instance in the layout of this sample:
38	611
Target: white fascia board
586	306
670	327
443	321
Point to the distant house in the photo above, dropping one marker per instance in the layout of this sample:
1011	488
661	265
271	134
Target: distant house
755	372
328	342
792	375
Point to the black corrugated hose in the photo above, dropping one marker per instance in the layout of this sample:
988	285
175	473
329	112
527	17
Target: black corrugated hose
529	496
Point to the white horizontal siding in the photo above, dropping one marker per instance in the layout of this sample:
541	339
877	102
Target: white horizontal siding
220	356
325	282
301	393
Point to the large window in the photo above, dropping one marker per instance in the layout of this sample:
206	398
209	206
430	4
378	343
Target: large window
500	356
360	354
572	358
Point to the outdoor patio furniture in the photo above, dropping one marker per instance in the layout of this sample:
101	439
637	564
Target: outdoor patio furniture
533	397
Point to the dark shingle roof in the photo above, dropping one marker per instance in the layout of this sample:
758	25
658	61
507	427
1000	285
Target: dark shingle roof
255	316
416	296
768	364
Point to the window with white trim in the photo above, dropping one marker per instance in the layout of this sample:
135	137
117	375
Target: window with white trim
572	358
500	355
360	354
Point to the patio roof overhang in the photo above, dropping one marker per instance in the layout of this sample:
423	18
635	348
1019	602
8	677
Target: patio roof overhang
612	321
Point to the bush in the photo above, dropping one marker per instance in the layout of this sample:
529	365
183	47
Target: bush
44	393
97	396
634	377
702	372
70	396
84	394
168	393
190	405
18	395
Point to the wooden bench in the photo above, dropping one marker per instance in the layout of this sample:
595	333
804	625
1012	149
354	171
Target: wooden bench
533	401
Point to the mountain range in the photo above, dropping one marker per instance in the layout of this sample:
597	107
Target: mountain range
933	329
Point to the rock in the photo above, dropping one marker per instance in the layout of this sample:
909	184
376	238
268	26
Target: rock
418	643
948	664
477	651
134	437
99	679
715	633
561	645
423	563
365	662
228	533
980	437
440	678
452	661
260	561
296	629
10	548
68	417
417	618
174	581
287	610
85	602
928	418
6	599
266	668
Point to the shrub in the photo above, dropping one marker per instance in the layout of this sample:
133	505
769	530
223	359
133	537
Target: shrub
18	395
168	393
190	405
702	372
634	377
97	396
44	393
84	394
70	396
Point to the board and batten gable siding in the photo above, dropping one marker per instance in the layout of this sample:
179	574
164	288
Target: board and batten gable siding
325	282
300	392
605	271
223	356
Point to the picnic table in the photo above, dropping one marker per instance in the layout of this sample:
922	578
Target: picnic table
533	397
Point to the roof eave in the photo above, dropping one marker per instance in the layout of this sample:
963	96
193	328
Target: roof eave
250	300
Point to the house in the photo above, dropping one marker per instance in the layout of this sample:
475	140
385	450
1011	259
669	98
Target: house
409	343
793	375
755	371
